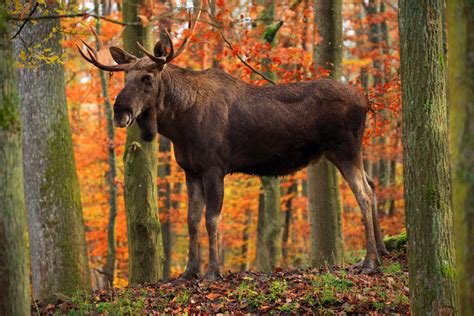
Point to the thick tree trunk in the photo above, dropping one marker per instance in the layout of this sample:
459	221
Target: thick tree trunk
57	244
110	262
270	252
145	243
14	265
460	15
426	159
323	191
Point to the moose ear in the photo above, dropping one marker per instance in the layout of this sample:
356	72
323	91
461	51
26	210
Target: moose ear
120	56
160	49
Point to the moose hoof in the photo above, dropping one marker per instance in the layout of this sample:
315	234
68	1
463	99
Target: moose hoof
212	275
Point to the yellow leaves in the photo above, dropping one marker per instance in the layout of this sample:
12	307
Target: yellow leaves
22	55
357	62
52	59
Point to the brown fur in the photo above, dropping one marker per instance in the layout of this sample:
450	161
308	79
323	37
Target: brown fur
214	119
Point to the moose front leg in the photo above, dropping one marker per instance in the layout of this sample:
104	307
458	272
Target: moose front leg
213	181
195	209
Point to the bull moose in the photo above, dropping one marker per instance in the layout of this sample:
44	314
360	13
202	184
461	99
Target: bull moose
220	125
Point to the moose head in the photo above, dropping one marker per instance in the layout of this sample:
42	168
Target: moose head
140	100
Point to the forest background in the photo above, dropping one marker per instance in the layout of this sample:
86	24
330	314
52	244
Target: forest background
370	60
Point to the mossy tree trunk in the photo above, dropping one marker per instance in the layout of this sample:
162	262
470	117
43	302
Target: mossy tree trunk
145	243
460	16
14	265
57	245
269	252
323	191
425	159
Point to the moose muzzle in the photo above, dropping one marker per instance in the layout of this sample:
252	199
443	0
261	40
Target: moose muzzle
123	118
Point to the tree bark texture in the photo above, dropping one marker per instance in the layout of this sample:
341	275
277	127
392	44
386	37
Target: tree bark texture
323	191
58	252
110	262
14	265
145	243
426	160
164	193
460	16
269	252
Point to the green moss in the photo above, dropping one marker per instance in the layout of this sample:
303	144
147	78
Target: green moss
433	195
396	242
61	189
441	60
9	114
271	31
448	271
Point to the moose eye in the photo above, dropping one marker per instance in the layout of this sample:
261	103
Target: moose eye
148	79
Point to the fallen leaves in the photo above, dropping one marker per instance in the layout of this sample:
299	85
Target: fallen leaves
323	290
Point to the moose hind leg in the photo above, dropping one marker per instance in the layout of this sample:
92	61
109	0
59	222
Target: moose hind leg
382	250
195	210
353	173
214	190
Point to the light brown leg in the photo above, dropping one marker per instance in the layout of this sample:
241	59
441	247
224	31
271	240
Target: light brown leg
353	172
382	250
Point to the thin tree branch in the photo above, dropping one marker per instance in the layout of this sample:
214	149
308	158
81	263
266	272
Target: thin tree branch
199	20
72	15
261	74
26	21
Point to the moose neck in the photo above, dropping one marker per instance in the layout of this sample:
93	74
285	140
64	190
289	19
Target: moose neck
180	88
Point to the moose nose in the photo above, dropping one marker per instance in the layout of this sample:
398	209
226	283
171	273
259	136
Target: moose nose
123	119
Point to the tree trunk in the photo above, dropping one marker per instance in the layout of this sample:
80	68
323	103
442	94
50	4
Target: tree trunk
323	192
145	243
378	36
14	265
460	15
270	253
426	161
245	241
164	194
164	170
288	219
110	262
57	244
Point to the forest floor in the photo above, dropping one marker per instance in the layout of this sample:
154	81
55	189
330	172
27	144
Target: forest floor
315	291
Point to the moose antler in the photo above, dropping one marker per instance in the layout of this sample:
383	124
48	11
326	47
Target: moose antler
161	60
102	58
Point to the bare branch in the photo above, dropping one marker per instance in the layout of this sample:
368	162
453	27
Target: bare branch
243	61
26	21
71	15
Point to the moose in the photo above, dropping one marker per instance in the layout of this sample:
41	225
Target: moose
219	125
